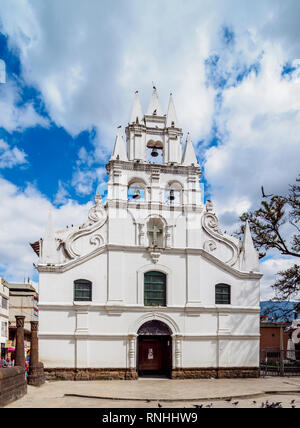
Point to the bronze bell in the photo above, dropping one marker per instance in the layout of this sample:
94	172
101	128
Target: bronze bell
136	194
171	196
154	152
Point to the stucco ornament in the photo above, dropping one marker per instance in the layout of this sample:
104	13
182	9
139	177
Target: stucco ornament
210	246
97	217
210	224
154	253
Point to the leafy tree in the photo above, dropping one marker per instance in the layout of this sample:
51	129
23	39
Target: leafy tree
269	226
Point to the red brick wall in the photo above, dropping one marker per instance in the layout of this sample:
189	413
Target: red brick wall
270	337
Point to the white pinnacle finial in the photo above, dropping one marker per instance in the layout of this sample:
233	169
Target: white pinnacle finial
171	115
119	152
189	157
49	253
49	227
137	113
249	255
98	198
154	106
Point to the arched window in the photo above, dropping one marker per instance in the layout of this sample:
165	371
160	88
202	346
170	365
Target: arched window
173	194
136	191
82	290
155	289
222	294
155	152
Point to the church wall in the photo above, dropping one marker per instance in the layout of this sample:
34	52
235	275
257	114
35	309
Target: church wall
203	323
239	353
107	353
199	353
95	334
57	352
121	228
59	287
105	340
243	323
179	232
175	268
57	320
243	292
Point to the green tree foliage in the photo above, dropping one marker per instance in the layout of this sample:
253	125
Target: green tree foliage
269	225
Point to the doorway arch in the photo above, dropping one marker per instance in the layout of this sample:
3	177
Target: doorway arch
154	355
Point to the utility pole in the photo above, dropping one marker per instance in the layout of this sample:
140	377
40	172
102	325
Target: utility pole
281	352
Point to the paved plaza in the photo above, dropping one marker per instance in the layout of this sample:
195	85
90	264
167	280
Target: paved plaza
148	392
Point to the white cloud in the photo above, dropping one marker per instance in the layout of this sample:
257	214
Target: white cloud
10	157
87	61
270	268
260	132
83	180
13	115
62	195
23	216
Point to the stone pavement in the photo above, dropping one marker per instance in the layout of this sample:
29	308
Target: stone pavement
147	392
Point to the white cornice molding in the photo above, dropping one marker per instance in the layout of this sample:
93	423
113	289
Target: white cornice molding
116	336
93	306
128	248
233	271
72	263
167	169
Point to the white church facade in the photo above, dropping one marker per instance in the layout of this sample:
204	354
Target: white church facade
150	283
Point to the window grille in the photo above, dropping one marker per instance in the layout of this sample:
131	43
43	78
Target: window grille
155	289
82	290
4	303
222	294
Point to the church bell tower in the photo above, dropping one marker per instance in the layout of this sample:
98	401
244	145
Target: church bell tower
151	177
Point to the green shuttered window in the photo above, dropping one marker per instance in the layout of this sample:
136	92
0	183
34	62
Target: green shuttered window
155	289
82	290
222	294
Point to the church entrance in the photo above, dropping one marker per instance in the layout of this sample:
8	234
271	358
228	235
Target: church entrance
154	349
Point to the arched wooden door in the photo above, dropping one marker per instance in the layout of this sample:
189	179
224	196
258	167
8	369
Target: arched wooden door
154	349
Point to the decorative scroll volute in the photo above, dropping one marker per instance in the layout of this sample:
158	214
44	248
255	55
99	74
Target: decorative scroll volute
97	216
210	224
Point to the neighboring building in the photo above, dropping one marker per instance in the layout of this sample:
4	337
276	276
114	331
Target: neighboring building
23	301
280	319
4	316
270	336
150	283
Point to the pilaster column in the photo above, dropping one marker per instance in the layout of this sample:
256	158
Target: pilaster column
131	372
141	227
169	234
131	351
178	351
20	354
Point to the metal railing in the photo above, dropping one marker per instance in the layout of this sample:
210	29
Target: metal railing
279	363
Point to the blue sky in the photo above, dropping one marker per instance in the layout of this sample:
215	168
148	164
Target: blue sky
71	72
